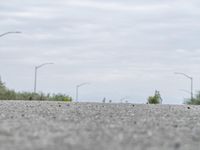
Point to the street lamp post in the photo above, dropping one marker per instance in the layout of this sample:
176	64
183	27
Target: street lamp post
36	68
12	32
77	89
6	33
191	79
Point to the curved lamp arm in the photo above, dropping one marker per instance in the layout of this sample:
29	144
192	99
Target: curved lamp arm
15	32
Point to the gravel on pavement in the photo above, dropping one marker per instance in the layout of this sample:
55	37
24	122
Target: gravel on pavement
36	125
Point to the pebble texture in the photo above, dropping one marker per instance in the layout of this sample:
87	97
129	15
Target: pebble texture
26	125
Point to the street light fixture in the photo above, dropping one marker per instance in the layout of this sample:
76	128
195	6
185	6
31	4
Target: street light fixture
3	34
77	89
36	68
12	32
191	79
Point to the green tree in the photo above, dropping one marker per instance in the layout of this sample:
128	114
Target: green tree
2	85
156	99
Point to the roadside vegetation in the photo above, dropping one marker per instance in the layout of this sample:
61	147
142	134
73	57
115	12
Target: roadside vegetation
194	101
7	94
155	99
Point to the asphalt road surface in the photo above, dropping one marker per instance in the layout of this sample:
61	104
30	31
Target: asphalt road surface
28	125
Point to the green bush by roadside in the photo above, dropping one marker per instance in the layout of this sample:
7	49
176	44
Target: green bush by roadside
7	94
194	101
156	99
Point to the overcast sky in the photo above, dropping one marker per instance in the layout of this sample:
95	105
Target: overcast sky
123	48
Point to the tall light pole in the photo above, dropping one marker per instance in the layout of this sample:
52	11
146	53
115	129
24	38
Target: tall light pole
77	89
11	32
36	68
6	33
191	79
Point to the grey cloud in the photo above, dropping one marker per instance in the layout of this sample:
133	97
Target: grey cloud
128	44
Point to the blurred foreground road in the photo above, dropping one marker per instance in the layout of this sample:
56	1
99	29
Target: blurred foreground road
92	126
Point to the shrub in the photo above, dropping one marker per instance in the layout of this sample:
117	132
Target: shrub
6	94
61	97
156	99
194	101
